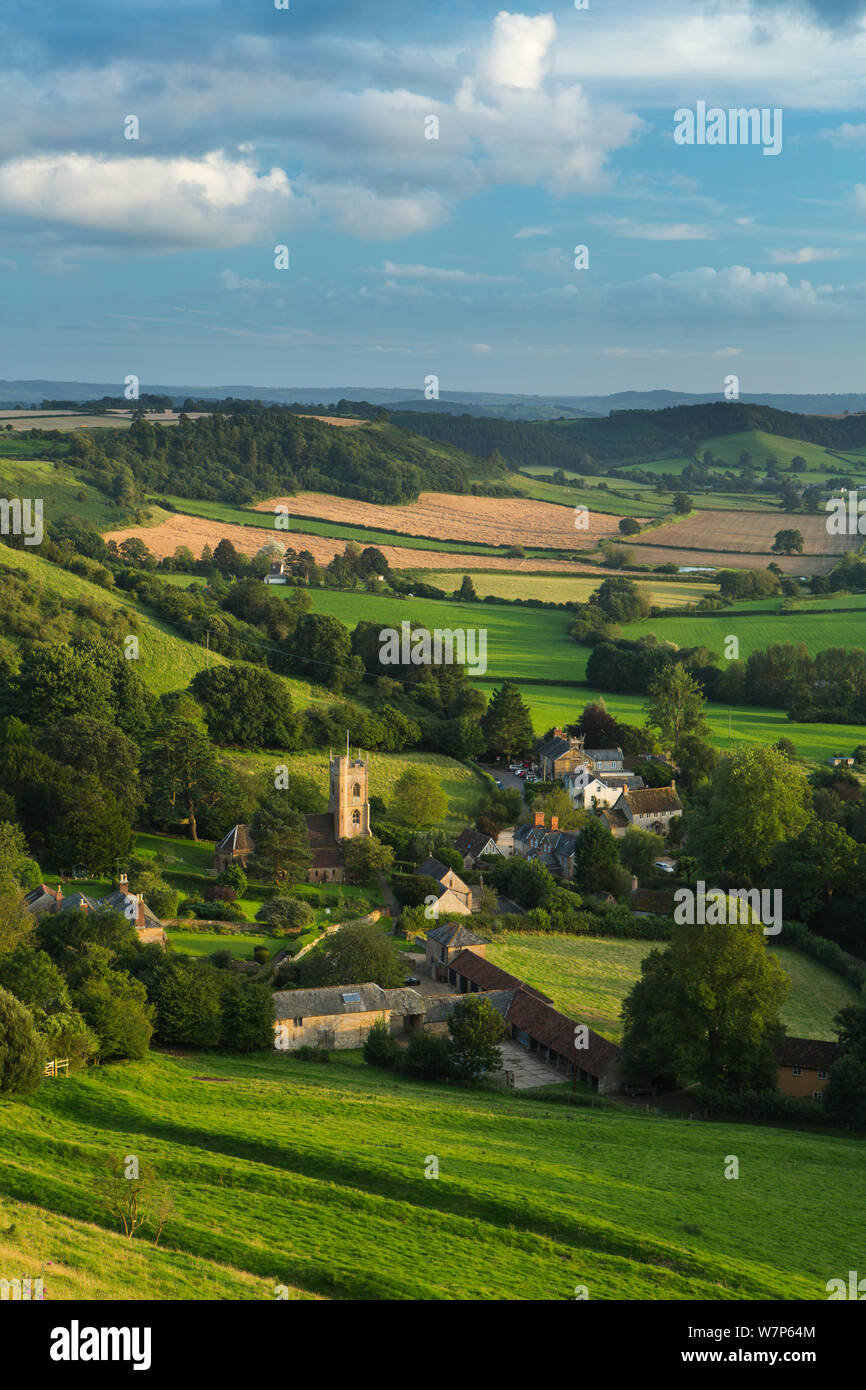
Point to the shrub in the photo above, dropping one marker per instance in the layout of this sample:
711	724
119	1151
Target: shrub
234	877
214	912
760	1105
261	954
219	893
380	1048
311	1054
428	1057
22	1051
285	916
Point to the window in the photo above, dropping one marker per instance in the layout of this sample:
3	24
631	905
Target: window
798	1071
356	790
356	817
443	953
822	1076
817	1095
298	1022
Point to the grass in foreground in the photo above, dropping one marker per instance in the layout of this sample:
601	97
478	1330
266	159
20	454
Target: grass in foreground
313	1176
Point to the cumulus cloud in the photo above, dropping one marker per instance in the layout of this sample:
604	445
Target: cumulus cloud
518	53
804	255
163	203
707	294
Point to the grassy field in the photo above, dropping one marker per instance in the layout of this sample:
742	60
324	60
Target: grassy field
166	662
313	1176
561	588
193	943
555	704
521	642
62	491
817	629
588	978
463	785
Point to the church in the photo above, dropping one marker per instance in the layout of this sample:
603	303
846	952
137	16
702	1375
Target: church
348	815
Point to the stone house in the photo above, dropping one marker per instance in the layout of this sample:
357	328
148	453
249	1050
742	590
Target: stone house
341	1016
453	894
445	942
554	847
804	1065
148	927
471	845
650	808
560	754
278	573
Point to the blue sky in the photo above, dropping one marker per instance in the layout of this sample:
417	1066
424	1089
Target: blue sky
411	256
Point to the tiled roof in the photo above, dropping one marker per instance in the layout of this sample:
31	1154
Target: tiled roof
605	755
555	748
474	842
811	1053
328	1001
431	868
547	1025
486	975
454	934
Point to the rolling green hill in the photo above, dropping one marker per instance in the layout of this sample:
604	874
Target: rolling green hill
313	1177
588	978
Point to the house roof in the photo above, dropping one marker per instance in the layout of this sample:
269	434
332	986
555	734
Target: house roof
127	903
647	801
486	975
237	840
657	900
555	748
454	934
320	830
431	868
330	1001
605	755
474	842
612	818
404	1001
537	1017
811	1053
507	907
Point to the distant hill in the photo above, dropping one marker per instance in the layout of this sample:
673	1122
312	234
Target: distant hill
504	404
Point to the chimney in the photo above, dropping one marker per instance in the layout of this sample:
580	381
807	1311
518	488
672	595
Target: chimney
58	894
139	911
123	884
539	818
554	822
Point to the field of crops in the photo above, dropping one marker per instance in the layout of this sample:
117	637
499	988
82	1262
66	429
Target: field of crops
564	589
816	630
746	533
588	978
455	517
313	1177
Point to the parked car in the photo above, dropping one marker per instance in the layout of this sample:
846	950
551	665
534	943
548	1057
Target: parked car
412	980
497	781
665	868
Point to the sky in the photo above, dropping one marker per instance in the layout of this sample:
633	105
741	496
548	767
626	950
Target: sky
430	169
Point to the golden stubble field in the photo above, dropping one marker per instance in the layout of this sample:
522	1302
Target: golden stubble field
196	532
448	516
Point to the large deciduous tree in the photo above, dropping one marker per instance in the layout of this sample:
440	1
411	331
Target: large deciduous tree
754	800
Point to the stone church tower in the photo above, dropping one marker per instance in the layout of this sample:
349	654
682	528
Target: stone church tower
349	797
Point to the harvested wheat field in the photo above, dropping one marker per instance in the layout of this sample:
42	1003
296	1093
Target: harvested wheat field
197	532
745	533
448	516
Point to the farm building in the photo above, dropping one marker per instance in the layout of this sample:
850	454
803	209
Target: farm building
341	1016
471	973
44	900
445	942
804	1065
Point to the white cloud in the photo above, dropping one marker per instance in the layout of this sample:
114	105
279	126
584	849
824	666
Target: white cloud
653	231
804	255
167	203
373	216
517	55
432	272
707	295
230	281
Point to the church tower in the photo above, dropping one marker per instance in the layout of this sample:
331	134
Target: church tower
349	797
